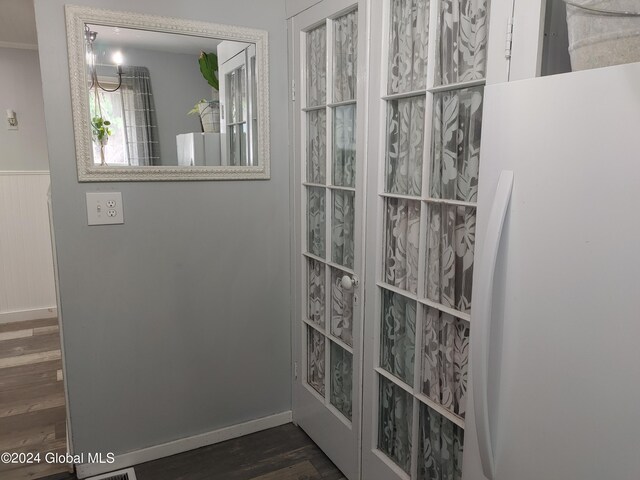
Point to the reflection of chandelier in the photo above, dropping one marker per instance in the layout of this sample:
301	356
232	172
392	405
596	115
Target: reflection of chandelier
90	37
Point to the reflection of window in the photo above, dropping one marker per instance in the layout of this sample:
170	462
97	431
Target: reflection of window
236	123
131	111
239	114
111	106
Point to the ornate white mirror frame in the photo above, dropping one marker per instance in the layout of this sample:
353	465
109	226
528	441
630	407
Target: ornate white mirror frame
77	17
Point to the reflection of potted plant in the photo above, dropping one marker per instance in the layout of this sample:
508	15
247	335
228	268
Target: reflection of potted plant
209	110
101	133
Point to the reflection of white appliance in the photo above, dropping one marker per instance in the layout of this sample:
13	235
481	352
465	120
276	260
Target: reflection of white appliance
198	149
555	333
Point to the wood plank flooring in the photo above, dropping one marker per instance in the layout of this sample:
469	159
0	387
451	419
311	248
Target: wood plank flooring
32	403
281	453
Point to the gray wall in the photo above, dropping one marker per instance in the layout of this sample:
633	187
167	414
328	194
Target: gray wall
177	85
21	90
176	322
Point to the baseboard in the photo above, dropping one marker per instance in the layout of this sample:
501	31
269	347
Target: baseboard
24	315
183	445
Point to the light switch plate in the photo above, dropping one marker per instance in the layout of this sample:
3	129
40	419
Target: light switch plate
104	208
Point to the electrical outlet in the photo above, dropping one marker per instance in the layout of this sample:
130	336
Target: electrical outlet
104	208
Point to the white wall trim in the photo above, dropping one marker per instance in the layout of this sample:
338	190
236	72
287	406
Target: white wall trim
184	444
24	315
22	46
24	172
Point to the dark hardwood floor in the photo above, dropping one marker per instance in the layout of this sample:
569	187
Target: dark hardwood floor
32	403
281	453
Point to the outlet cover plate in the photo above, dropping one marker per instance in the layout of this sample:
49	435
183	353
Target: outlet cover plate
104	208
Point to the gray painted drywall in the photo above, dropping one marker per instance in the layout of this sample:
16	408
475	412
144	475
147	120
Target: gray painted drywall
21	91
177	84
177	322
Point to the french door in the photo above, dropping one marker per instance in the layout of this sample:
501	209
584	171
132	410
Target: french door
427	75
328	59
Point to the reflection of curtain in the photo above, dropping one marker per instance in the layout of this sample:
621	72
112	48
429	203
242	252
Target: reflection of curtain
139	112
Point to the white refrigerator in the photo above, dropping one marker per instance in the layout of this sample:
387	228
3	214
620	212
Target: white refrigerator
555	330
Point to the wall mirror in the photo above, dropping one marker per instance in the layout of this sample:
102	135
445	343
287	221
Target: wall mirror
158	98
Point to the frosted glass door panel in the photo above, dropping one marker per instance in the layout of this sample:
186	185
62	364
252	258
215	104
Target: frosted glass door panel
344	146
317	146
394	423
450	253
445	357
408	45
345	57
440	447
405	145
401	243
398	332
457	126
316	66
343	218
316	221
341	308
341	380
462	41
316	292
315	360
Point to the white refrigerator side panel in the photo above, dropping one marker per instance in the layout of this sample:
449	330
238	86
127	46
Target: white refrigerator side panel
564	389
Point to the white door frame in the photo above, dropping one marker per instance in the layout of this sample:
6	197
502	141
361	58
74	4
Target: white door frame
339	440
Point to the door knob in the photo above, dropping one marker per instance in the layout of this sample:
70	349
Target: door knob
349	282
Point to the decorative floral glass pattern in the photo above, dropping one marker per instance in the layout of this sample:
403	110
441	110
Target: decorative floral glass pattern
401	242
316	291
398	333
408	45
342	241
457	126
344	146
445	360
440	447
317	66
315	360
462	45
345	57
316	218
341	309
317	146
405	145
341	379
394	424
451	235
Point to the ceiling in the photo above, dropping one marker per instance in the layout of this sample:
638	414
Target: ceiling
18	23
160	41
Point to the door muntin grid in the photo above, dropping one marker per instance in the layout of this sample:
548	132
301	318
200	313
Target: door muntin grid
428	182
329	247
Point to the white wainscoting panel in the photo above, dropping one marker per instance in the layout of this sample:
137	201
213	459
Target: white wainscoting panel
26	263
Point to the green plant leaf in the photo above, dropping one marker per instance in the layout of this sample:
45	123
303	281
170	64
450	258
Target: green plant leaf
209	68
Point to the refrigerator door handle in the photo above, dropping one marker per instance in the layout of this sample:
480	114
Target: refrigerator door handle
481	315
